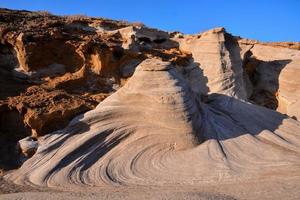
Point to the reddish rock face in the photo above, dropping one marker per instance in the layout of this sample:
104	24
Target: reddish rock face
46	111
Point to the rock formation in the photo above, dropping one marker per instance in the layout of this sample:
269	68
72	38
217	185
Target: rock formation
55	68
155	130
172	108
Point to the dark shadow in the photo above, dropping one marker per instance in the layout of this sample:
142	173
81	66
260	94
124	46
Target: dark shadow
10	85
197	80
237	118
264	76
152	45
9	154
260	78
12	129
8	57
78	26
233	47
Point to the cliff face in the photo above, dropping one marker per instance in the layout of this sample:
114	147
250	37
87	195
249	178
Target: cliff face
265	74
54	68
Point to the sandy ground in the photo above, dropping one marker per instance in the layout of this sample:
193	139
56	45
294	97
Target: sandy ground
288	189
7	187
114	195
9	190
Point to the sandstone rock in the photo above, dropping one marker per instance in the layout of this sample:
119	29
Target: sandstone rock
216	54
156	131
275	77
263	73
62	53
28	146
174	108
135	37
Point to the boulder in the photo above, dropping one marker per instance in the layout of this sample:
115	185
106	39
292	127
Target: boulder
28	146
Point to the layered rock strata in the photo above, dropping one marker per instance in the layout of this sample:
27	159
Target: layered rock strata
156	131
118	103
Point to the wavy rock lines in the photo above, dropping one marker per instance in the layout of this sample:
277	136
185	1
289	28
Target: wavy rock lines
156	131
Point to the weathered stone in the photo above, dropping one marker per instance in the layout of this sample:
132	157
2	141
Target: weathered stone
216	54
28	146
182	93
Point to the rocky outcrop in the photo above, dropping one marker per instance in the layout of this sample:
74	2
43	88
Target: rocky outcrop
46	111
216	54
28	146
53	69
262	73
82	56
156	131
273	73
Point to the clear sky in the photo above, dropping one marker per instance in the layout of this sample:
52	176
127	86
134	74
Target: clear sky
265	20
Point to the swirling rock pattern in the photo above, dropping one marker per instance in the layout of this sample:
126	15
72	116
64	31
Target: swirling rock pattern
156	131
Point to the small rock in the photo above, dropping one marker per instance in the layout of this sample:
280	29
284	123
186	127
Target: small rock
28	146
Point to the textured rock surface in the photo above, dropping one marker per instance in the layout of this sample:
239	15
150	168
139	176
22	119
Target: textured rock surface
28	146
277	74
167	109
262	73
188	142
215	52
55	68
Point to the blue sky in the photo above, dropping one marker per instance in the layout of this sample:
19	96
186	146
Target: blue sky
265	20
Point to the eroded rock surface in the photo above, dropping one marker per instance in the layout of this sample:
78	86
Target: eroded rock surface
262	73
275	79
28	146
55	68
176	139
166	108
